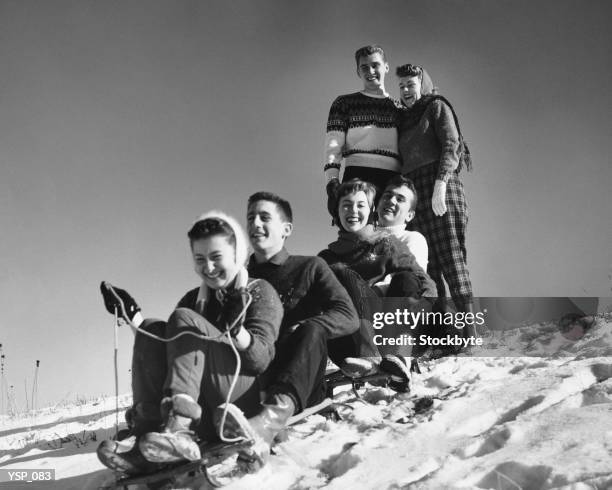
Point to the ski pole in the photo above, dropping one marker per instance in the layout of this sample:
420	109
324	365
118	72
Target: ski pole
116	329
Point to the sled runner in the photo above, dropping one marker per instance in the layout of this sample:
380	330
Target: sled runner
392	372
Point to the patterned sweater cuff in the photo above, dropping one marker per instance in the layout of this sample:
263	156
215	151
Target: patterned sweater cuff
331	172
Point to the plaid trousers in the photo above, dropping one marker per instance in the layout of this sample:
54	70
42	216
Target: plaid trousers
445	234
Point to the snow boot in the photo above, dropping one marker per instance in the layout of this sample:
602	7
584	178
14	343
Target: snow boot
357	367
177	442
123	454
399	370
125	457
260	429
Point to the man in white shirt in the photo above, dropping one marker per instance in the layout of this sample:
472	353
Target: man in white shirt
395	210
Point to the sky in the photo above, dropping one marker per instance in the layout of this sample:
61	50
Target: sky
121	122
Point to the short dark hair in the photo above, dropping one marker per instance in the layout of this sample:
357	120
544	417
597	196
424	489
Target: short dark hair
368	50
205	228
282	205
400	180
409	70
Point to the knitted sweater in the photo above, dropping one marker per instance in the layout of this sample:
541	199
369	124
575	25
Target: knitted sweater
362	129
262	320
309	291
375	257
433	139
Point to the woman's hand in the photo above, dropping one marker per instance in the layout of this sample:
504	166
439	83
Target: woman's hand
438	199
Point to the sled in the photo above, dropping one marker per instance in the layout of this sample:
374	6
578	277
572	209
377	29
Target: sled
219	464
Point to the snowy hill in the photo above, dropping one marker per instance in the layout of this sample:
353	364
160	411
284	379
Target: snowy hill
496	422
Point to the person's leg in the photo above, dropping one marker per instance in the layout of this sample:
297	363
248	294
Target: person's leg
299	366
148	376
186	355
360	343
404	285
296	381
450	244
205	370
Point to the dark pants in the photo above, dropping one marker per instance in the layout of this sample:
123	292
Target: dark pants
298	369
403	284
377	176
202	369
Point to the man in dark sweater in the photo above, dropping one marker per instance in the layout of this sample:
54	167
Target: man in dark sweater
318	313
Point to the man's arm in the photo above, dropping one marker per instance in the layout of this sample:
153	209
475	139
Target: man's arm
335	139
337	312
448	137
417	244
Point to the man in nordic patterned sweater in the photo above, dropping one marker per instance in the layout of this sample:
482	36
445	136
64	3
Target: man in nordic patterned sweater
362	129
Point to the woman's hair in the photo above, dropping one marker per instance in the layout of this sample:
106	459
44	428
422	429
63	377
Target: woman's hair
355	185
409	70
205	228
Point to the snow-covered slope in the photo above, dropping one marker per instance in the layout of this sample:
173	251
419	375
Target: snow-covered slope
496	422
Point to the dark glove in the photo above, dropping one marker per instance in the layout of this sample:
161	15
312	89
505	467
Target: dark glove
120	299
332	199
234	303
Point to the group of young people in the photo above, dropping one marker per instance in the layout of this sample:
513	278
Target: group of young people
248	348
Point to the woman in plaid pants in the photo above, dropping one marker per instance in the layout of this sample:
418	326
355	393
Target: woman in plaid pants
429	144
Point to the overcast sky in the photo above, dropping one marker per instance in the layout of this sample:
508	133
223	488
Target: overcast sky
120	122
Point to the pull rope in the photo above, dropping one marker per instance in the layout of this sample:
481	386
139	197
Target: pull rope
248	299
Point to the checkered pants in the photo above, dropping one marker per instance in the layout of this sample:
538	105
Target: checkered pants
445	234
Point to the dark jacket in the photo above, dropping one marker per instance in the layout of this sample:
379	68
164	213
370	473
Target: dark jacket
375	256
309	292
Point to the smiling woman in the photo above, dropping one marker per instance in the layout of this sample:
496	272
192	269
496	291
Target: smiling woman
430	146
213	348
362	258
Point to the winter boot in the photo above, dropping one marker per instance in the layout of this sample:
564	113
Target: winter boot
358	367
469	330
177	442
123	454
260	429
399	370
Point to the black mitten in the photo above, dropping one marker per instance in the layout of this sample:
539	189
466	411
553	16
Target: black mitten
332	199
120	299
234	310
